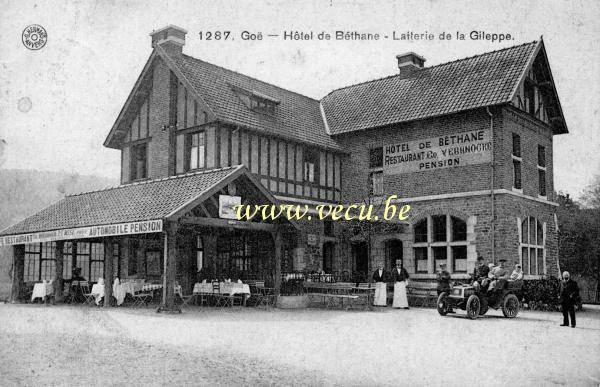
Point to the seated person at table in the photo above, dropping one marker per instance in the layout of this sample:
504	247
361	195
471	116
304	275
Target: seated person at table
76	275
517	274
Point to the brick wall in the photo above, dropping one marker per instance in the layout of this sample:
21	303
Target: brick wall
159	162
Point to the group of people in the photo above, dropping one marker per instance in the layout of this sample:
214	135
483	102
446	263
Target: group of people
400	277
487	278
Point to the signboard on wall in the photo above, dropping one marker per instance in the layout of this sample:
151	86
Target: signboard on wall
455	150
144	227
227	206
311	239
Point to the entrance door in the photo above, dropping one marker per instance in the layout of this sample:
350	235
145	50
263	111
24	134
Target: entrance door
393	251
328	257
361	258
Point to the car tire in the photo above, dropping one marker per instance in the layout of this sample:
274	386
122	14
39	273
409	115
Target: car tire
443	305
473	307
510	306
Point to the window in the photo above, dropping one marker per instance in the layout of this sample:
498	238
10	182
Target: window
199	253
532	247
420	230
421	259
439	228
234	255
376	183
459	258
196	150
541	167
139	161
541	156
447	243
96	261
529	89
262	105
376	157
39	262
459	229
517	160
311	162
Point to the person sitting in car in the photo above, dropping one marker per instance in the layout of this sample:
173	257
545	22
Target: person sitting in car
443	280
499	273
480	272
517	274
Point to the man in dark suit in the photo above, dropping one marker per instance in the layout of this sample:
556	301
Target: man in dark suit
480	272
569	296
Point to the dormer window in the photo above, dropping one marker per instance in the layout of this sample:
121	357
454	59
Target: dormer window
262	106
256	101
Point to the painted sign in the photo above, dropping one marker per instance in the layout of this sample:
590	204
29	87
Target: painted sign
311	239
147	226
227	205
456	150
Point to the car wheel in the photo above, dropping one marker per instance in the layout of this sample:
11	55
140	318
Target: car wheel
473	307
443	305
510	306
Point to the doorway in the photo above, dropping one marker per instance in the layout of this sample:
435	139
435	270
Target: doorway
360	253
328	257
393	251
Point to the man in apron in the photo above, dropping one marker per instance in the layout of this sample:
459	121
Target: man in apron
379	277
400	276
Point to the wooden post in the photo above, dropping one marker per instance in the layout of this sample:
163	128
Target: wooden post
18	272
170	268
108	271
59	281
278	247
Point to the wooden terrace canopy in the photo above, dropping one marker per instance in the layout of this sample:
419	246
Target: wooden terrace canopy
162	205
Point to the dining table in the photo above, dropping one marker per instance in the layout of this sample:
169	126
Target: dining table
41	290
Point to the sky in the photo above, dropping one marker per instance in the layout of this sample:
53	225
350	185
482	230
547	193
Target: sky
57	104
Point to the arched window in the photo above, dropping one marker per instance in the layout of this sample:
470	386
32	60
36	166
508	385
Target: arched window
440	239
532	246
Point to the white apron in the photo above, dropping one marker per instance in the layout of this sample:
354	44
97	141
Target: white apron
400	299
380	294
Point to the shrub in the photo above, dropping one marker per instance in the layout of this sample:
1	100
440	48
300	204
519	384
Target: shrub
541	294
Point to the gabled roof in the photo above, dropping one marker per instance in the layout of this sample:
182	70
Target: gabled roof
488	79
148	200
483	80
296	116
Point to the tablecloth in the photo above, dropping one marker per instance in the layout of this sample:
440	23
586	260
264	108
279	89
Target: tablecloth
121	290
224	287
97	292
41	290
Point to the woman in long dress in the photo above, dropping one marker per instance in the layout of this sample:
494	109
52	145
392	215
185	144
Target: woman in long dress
379	277
400	276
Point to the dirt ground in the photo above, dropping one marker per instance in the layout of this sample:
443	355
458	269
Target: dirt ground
63	345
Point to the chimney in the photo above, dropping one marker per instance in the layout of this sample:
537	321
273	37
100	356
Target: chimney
171	38
409	63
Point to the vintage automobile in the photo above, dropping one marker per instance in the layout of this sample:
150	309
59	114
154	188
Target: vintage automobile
477	301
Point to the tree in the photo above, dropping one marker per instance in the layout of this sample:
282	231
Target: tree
579	233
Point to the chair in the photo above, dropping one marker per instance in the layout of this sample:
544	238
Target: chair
186	299
218	297
89	298
142	299
268	296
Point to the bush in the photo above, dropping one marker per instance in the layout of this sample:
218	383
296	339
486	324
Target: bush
541	294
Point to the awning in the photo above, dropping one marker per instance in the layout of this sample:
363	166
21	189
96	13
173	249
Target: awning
135	208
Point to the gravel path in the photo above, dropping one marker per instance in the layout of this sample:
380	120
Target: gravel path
61	345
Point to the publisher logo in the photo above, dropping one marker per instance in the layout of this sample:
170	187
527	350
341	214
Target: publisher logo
34	37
